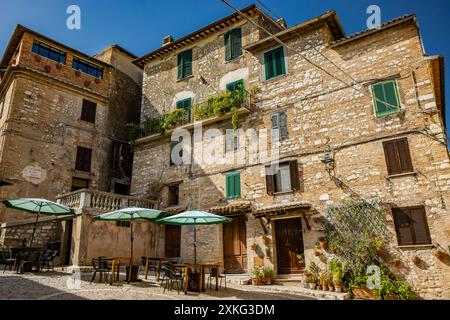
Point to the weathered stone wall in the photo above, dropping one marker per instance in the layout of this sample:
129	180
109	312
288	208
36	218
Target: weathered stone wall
322	113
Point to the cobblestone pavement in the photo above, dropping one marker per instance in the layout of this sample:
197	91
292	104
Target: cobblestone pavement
60	286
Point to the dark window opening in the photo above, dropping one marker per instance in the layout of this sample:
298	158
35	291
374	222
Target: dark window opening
78	184
123	224
174	195
87	68
88	111
49	52
286	179
120	188
83	162
398	158
411	226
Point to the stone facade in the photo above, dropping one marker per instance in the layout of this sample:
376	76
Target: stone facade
41	124
325	116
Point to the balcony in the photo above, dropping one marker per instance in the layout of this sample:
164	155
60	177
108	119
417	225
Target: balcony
216	108
89	201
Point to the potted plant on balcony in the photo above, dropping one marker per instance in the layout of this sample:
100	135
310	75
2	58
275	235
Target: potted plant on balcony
268	273
323	242
59	66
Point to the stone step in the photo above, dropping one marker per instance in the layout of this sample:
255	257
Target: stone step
326	295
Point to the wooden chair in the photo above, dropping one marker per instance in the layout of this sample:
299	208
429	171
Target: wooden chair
214	273
171	276
101	267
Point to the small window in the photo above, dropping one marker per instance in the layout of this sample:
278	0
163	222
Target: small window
123	224
78	184
231	139
233	44
285	180
174	192
233	185
87	67
274	63
83	162
279	126
120	188
186	105
385	98
49	52
184	64
411	226
398	158
88	111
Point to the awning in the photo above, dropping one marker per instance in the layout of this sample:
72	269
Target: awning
232	208
281	208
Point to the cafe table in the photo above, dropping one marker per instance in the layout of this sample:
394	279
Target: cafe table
116	264
186	268
20	252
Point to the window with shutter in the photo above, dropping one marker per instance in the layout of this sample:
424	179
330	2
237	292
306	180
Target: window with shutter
186	105
386	98
398	158
236	86
233	44
88	111
279	126
233	185
411	226
285	180
274	63
231	139
83	161
184	68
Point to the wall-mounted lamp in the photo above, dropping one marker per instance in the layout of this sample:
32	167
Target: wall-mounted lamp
329	162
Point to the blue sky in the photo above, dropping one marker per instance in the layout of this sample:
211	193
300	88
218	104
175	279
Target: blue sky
140	25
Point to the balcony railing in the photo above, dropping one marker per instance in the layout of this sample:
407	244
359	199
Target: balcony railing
98	201
215	106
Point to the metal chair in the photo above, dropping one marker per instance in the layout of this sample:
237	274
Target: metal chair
171	276
214	273
47	259
29	261
101	267
8	259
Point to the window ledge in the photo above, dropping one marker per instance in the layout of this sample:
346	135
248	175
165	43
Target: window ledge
87	122
276	78
416	246
398	175
236	59
400	111
185	78
283	193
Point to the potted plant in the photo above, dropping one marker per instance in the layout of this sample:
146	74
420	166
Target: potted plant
268	253
268	273
323	242
415	260
312	281
77	73
330	281
301	259
47	68
97	80
59	66
257	275
253	245
337	280
316	251
397	262
439	252
324	281
37	58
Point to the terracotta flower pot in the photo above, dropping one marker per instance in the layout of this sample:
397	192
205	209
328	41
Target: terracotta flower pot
380	252
325	287
253	246
440	254
256	281
87	83
58	66
312	285
364	293
97	80
266	240
47	68
316	253
338	288
323	245
37	58
268	280
415	261
77	73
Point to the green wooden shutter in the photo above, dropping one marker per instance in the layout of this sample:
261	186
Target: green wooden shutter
268	64
180	66
228	53
385	97
237	185
236	43
229	186
279	62
187	63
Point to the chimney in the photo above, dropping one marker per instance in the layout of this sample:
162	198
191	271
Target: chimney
167	40
282	23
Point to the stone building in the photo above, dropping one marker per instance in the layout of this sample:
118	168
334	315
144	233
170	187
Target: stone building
365	110
63	122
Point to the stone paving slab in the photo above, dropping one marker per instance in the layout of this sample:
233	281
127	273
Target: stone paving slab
60	286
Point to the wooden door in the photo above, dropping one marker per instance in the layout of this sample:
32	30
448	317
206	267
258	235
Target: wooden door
172	241
235	245
289	242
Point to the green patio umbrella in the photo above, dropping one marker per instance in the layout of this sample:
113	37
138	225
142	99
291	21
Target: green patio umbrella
131	214
38	206
193	218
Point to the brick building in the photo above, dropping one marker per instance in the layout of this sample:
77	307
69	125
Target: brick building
376	124
63	122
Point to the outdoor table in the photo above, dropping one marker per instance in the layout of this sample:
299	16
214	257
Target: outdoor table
20	252
116	263
201	285
160	261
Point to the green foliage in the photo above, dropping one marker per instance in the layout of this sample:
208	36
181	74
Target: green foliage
268	272
257	272
392	287
313	269
301	257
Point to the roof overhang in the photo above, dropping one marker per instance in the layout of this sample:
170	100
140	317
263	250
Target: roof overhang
232	208
17	37
202	33
283	208
438	79
389	24
330	19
